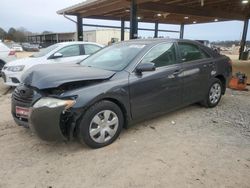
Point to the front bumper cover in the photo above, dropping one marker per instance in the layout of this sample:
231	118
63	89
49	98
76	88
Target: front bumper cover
45	122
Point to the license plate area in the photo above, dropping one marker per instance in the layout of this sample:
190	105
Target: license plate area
22	112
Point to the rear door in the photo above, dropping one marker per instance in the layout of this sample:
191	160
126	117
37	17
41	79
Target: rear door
197	66
160	90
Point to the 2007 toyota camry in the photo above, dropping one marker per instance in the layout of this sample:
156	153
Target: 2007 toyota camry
117	86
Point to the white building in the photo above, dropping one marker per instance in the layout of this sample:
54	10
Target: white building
104	36
101	36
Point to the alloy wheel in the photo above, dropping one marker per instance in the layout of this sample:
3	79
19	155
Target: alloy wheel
215	93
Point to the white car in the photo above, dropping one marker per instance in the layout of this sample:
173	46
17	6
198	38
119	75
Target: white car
6	55
66	52
17	47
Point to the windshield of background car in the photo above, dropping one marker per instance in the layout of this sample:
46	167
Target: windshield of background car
115	57
45	51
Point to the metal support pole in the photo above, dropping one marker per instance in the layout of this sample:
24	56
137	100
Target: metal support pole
156	30
122	29
133	20
57	38
79	29
182	31
243	40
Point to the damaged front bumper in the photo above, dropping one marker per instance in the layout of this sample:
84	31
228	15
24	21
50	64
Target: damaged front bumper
46	123
51	119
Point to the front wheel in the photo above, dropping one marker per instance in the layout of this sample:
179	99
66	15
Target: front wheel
1	66
101	124
214	94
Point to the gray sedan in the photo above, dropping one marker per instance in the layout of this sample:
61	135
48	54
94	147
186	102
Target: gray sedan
118	86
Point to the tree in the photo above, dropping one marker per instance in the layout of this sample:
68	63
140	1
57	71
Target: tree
2	34
47	32
11	34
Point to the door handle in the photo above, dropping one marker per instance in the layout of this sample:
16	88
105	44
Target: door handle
177	72
209	65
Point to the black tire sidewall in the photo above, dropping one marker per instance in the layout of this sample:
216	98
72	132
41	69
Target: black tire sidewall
1	66
83	128
208	102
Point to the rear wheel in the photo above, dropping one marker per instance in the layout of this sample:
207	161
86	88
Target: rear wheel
101	124
214	94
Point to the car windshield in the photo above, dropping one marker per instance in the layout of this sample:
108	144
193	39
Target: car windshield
45	51
115	57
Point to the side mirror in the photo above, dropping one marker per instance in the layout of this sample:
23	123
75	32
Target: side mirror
145	67
57	55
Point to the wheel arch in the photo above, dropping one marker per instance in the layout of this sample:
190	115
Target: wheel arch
119	103
121	106
223	81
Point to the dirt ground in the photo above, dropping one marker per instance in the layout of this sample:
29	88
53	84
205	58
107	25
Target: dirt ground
192	147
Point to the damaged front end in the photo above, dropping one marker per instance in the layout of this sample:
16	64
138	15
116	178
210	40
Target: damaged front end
45	101
50	118
52	115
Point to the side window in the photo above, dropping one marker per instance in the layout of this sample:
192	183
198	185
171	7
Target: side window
161	55
191	52
69	51
91	48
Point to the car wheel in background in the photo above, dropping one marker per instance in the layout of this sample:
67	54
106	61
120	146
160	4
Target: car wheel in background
101	124
1	66
214	94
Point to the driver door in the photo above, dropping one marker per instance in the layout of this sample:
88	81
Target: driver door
160	90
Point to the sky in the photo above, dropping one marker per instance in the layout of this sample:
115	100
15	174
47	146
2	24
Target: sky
40	15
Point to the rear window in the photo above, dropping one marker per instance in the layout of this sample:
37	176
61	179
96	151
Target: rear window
191	52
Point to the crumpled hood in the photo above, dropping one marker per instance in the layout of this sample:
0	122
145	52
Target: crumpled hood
52	76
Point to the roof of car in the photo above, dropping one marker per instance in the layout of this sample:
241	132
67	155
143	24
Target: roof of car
78	42
157	40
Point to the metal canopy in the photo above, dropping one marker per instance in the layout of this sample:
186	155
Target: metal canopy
181	12
163	11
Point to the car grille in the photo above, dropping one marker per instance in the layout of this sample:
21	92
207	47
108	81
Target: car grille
23	95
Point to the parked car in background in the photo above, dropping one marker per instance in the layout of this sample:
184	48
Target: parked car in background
66	52
208	44
6	55
117	86
16	47
30	47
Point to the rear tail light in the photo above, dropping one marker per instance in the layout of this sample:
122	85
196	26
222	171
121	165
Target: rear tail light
12	53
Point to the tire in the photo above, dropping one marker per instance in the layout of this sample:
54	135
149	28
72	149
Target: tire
214	93
1	66
105	120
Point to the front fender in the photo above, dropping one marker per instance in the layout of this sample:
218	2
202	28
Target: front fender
115	89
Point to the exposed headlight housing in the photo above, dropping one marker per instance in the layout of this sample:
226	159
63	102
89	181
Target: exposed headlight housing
16	68
54	103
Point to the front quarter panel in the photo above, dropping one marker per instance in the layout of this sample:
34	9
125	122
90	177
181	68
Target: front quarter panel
114	89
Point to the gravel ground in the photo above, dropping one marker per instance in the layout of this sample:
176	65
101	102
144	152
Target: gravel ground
192	147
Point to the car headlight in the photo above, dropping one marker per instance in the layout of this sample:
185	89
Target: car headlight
54	103
16	68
